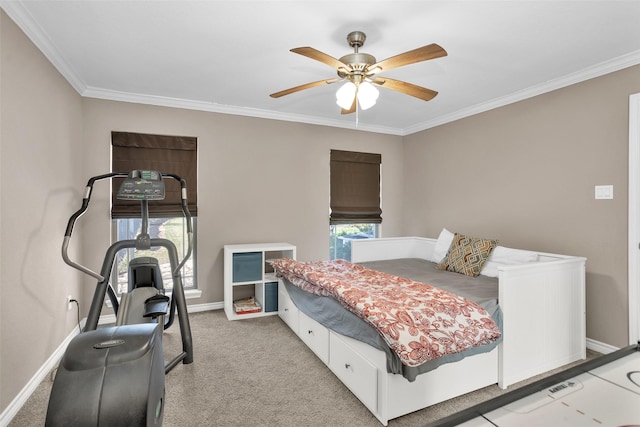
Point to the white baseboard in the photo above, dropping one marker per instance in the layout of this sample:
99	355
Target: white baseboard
26	392
600	347
196	308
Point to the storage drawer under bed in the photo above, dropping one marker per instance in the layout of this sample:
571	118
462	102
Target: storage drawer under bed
315	336
356	372
287	310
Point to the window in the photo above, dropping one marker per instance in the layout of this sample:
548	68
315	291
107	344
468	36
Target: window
355	200
172	228
167	154
341	235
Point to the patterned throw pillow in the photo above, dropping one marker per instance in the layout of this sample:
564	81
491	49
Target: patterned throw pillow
467	255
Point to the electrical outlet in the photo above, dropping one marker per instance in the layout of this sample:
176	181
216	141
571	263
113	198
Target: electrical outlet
69	302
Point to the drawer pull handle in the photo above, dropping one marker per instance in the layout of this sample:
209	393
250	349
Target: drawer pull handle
286	309
347	366
310	332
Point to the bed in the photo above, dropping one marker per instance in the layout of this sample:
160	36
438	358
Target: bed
549	287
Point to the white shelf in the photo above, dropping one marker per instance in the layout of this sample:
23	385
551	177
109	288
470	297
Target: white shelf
270	277
248	273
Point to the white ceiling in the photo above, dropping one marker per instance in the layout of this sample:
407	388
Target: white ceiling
228	56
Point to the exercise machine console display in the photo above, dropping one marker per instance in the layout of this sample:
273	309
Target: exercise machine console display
142	185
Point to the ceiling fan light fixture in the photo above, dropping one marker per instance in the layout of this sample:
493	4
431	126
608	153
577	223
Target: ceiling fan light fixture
345	95
367	95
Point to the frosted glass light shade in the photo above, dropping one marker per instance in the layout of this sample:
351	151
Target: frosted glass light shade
345	95
367	95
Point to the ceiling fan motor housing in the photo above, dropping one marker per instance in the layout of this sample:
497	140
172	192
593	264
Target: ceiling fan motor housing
357	62
356	39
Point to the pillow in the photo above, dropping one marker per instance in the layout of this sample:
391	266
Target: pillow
442	246
506	256
467	255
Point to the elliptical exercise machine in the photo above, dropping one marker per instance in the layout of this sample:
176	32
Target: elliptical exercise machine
115	375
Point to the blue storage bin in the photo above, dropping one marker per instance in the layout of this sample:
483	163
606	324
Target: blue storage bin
247	267
270	297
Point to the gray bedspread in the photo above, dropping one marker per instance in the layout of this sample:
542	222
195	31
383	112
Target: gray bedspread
330	313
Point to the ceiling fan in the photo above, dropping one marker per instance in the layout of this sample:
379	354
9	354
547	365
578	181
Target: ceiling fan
360	71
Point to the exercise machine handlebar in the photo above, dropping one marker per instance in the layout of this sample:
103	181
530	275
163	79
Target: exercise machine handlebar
74	218
85	206
187	215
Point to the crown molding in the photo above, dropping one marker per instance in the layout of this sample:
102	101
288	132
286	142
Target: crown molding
597	70
162	101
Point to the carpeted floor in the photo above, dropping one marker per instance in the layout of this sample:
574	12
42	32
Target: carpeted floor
257	372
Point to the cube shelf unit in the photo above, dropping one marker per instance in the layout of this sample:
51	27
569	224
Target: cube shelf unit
248	273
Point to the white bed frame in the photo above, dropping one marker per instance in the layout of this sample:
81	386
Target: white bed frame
543	307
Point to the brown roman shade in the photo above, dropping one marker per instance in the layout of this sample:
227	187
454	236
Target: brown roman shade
355	188
167	154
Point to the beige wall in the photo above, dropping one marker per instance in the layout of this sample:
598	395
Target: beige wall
525	174
40	150
258	180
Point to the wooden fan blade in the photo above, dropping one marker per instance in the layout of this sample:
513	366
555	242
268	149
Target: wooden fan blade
312	53
423	53
302	87
351	109
406	88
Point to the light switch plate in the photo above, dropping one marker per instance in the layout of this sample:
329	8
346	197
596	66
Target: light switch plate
604	191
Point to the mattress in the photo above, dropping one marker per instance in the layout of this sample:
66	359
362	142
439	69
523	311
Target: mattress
331	314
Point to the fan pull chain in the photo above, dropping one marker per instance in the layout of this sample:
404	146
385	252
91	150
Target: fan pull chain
357	114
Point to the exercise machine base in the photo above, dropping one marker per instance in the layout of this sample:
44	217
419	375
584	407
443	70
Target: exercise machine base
88	388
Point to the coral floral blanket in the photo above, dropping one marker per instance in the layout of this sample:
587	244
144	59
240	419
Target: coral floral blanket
419	322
